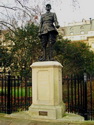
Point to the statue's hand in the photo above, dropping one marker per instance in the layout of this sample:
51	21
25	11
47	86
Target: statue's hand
57	26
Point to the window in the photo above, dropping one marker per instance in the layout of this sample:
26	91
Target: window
82	30
71	30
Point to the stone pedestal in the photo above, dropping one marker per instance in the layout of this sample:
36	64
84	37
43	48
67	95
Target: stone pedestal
47	90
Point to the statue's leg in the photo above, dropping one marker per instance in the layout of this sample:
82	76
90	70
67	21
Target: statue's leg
44	53
44	44
52	40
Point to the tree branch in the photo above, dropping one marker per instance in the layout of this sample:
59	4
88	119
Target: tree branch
6	25
3	6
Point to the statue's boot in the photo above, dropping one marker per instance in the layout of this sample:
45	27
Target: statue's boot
44	54
43	58
51	53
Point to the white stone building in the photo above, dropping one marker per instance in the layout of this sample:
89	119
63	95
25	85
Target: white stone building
80	31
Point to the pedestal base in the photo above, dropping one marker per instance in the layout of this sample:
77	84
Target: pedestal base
47	90
47	112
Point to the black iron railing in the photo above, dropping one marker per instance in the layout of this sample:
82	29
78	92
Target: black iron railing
15	93
78	95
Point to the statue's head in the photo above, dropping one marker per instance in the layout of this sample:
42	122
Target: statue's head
48	7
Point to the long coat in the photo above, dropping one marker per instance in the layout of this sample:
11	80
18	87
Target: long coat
47	23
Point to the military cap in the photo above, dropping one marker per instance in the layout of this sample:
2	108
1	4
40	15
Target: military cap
48	5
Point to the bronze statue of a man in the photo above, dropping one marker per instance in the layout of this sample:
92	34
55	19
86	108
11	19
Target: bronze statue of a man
48	32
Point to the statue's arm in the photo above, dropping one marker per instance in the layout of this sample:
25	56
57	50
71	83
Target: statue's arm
55	21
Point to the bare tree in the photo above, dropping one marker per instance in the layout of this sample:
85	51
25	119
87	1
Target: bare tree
22	12
19	14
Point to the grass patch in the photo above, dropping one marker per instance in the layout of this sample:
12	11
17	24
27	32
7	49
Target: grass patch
17	91
22	92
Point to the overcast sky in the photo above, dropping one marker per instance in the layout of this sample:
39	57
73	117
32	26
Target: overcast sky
66	13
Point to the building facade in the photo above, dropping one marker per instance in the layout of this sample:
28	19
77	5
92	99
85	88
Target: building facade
81	31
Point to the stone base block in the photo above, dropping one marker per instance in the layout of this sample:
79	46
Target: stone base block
47	112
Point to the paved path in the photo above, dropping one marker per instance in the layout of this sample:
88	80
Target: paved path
22	119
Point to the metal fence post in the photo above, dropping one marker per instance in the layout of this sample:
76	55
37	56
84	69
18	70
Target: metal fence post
9	94
85	95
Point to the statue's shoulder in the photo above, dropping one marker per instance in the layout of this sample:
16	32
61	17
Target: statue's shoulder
43	15
52	13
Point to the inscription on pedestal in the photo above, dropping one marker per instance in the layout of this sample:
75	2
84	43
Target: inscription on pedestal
43	113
